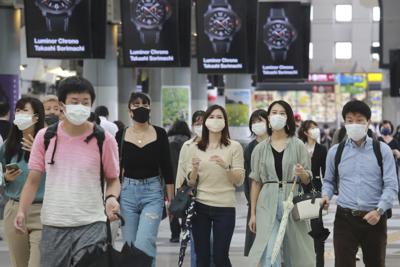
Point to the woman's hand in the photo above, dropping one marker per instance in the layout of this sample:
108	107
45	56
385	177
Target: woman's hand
12	174
219	161
302	173
27	143
396	153
252	223
195	164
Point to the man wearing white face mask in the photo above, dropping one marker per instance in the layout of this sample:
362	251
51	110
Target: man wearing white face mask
365	177
73	215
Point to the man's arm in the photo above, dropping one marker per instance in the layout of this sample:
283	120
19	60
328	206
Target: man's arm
329	184
390	183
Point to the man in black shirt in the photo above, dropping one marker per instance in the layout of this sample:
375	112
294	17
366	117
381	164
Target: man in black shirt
5	125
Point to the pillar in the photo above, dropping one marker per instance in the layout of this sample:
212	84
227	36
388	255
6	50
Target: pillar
103	74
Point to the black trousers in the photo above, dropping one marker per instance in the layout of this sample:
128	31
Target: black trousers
222	222
250	236
350	232
175	227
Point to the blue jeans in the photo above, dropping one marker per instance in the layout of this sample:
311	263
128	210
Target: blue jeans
142	203
266	257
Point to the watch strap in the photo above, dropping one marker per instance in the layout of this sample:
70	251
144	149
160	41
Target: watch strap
219	3
277	14
57	22
149	36
221	47
278	55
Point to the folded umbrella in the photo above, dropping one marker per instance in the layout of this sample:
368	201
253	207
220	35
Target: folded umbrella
287	208
318	232
186	231
107	256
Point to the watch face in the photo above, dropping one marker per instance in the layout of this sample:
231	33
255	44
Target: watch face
150	13
279	35
56	6
221	23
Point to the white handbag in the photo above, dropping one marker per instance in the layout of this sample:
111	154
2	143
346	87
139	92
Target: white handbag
307	206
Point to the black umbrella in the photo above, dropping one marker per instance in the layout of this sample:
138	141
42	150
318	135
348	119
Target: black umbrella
319	234
318	231
107	256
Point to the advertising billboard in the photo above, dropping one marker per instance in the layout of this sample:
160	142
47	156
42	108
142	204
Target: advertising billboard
283	37
222	35
152	32
65	28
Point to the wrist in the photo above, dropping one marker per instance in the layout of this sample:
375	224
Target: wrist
109	197
380	211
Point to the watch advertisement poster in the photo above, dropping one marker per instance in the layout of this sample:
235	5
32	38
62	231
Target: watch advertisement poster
65	28
283	37
222	36
152	32
9	91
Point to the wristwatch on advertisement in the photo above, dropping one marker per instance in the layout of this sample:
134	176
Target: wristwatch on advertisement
149	17
57	13
279	34
221	23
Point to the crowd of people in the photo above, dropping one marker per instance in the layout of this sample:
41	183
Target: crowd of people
67	170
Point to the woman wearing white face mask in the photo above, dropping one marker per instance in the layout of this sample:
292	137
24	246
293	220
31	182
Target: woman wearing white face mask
29	119
258	128
217	165
274	163
309	133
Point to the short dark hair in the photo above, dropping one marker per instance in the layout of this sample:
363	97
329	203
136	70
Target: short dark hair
101	111
203	143
356	106
134	96
197	114
305	126
179	128
4	108
257	114
290	127
387	122
75	84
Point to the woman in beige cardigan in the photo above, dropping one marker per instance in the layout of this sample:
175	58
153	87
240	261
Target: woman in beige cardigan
274	163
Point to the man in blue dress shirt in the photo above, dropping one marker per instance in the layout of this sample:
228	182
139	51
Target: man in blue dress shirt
364	195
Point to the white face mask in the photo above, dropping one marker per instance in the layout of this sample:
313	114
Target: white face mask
77	114
23	121
215	125
315	133
198	130
259	128
356	132
278	122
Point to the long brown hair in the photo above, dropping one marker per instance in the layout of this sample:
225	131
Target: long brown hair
203	144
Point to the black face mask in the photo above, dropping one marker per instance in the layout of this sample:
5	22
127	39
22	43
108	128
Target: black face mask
141	114
51	119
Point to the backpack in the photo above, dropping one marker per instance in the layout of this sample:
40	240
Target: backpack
97	133
376	145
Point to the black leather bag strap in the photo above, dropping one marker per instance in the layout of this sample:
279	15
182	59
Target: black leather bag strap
338	158
378	154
